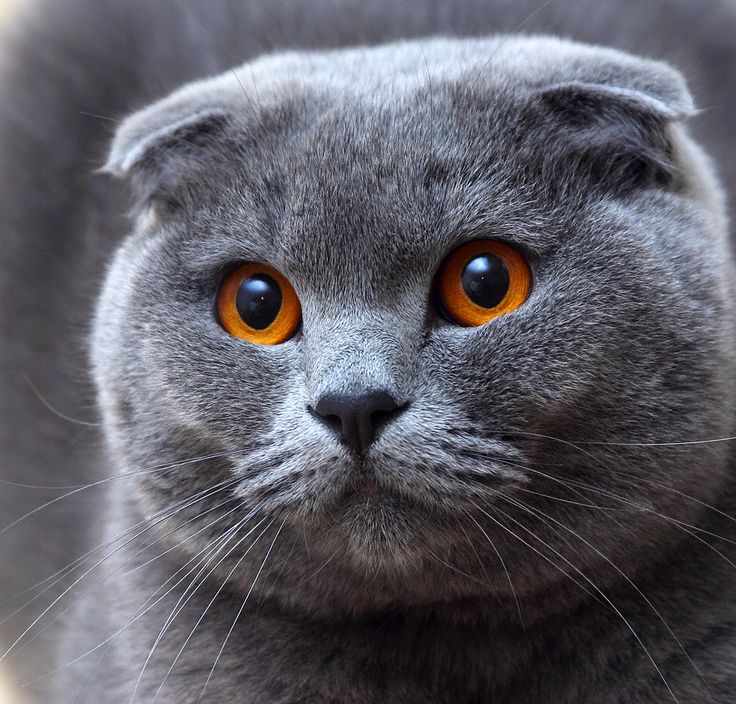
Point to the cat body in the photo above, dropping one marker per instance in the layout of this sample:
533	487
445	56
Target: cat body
533	523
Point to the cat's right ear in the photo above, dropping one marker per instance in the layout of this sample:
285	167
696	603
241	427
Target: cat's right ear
161	143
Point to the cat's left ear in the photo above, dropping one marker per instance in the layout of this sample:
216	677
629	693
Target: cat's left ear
579	97
613	114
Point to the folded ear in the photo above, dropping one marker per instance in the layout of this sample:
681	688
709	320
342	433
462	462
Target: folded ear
160	143
577	97
145	139
613	115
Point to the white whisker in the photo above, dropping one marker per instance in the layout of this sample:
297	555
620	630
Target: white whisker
240	611
210	603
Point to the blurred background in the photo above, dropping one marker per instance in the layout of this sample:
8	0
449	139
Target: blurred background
5	698
6	14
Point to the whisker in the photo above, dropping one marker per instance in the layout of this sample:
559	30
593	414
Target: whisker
318	570
612	471
100	117
592	584
187	595
639	507
431	101
255	87
581	504
242	88
54	410
210	548
137	472
687	528
240	611
455	569
285	562
538	552
70	587
680	443
188	538
114	574
508	36
619	571
91	673
166	512
576	445
475	552
503	564
682	525
207	608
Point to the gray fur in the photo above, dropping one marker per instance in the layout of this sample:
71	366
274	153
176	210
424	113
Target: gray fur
355	172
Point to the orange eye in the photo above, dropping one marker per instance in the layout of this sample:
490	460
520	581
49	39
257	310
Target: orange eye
257	303
481	280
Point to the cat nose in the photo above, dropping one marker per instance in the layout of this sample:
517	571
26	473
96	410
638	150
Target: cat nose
357	416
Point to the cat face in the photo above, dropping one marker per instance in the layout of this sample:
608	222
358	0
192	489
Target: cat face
355	175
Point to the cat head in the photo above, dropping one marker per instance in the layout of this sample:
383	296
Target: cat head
396	424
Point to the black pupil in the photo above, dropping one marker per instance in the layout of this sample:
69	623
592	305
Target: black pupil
259	300
485	280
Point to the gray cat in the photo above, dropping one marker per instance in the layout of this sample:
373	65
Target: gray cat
415	361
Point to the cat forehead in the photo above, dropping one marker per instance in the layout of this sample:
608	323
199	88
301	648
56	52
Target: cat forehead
392	183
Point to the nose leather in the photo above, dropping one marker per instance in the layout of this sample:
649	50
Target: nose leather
356	417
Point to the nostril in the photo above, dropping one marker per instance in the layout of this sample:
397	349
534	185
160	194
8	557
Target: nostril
330	419
333	421
380	418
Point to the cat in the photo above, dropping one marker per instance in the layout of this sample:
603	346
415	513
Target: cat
414	359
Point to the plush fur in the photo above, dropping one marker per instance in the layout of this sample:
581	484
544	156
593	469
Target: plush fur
543	521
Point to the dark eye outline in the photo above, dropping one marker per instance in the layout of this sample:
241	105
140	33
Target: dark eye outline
287	321
453	302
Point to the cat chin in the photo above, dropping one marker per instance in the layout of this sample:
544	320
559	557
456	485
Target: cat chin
372	562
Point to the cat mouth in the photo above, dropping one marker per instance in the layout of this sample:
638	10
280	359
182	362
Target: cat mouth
363	487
